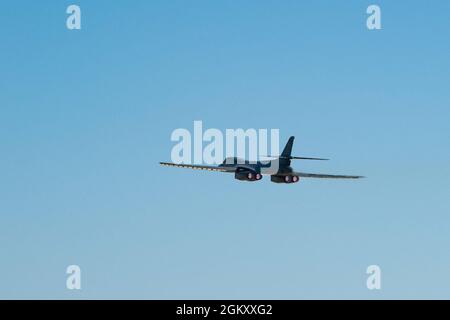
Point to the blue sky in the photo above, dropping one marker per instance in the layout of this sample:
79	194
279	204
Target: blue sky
85	117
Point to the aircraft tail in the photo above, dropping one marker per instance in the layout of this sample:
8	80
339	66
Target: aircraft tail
288	148
286	154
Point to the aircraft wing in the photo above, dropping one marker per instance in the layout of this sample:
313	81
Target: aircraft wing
198	167
324	176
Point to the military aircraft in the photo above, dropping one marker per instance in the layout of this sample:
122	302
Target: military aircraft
279	169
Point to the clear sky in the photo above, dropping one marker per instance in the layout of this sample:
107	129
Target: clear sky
85	117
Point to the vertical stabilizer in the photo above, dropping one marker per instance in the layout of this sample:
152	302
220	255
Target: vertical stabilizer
288	148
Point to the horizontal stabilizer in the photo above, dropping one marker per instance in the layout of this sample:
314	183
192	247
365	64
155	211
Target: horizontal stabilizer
307	158
295	158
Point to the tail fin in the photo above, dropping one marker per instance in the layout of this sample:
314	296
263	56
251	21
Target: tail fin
286	154
288	148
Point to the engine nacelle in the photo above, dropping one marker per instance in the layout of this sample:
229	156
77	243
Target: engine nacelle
277	179
247	176
284	179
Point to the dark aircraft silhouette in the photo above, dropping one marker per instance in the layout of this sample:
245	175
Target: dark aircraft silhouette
280	170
